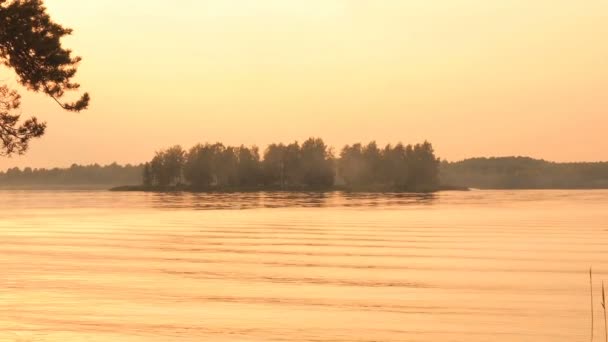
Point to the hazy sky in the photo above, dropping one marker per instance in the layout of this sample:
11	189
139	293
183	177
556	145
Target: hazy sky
474	77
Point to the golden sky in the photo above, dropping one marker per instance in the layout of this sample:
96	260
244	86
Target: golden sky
474	77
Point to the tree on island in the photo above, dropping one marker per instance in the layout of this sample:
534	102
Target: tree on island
249	168
317	163
413	168
167	166
147	175
357	164
30	44
282	165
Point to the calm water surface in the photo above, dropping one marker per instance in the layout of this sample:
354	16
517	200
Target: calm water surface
456	266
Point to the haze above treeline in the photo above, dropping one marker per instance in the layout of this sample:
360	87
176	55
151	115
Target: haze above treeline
360	166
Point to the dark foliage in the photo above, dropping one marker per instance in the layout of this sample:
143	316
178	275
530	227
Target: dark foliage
74	176
524	173
406	168
14	136
166	167
30	44
308	166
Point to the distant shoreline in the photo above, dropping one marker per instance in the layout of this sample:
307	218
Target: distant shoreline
504	173
185	188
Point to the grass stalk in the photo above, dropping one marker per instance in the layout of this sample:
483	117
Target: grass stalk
604	307
591	288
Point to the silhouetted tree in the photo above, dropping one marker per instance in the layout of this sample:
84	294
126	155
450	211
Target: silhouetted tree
359	165
226	167
174	161
423	167
402	168
352	167
394	169
293	168
15	136
317	167
274	165
249	171
373	158
282	165
166	167
147	175
220	166
199	168
30	44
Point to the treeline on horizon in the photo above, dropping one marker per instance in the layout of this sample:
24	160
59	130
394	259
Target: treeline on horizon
94	175
310	165
482	173
524	173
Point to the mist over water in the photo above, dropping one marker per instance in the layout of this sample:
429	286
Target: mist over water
451	266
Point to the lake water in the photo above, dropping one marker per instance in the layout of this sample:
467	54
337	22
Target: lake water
454	266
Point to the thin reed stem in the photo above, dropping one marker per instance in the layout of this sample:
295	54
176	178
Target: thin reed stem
604	306
591	288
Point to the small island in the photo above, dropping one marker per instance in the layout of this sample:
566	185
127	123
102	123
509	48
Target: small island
310	166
